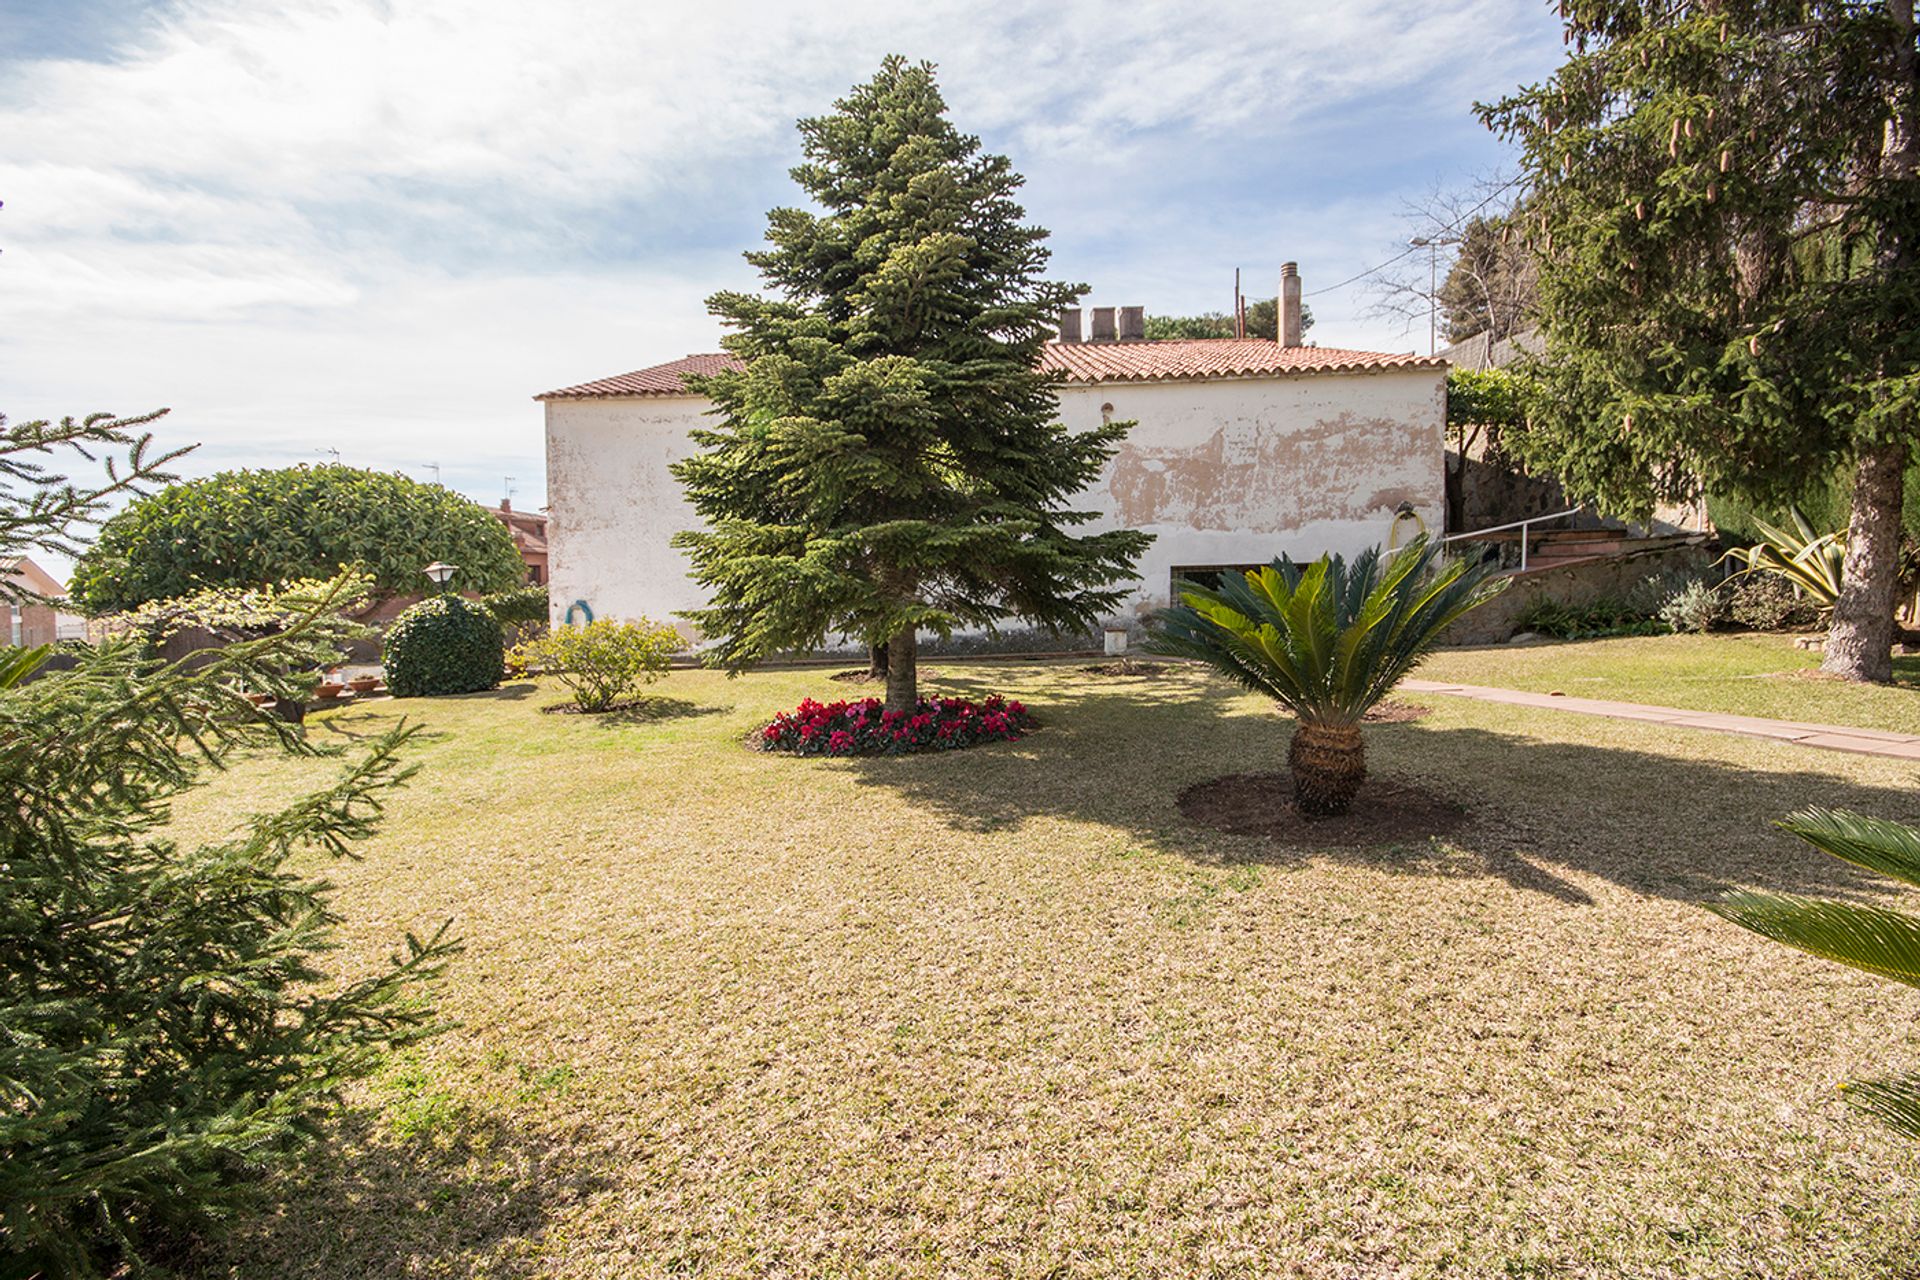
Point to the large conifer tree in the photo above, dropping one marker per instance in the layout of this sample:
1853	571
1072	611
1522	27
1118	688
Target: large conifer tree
891	459
1725	207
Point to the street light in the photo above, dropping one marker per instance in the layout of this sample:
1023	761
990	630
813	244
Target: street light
441	573
1432	245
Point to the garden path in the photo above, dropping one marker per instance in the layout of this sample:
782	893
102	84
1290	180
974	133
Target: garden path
1872	742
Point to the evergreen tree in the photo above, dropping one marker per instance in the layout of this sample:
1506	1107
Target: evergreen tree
1725	209
167	1032
890	460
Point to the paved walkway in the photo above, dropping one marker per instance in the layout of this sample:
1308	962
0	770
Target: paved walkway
1870	742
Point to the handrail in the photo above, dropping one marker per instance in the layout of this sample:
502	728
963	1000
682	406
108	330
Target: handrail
1521	525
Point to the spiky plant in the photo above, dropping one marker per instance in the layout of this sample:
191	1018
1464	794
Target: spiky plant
1874	939
1326	640
1811	561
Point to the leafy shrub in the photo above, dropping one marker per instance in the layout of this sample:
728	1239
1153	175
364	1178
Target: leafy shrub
1697	608
605	662
444	644
864	729
1768	602
251	528
522	614
1611	616
518	605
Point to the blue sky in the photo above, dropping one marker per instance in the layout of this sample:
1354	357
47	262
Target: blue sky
380	226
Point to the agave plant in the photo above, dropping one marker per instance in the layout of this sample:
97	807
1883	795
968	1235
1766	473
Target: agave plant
1874	939
1327	640
1810	561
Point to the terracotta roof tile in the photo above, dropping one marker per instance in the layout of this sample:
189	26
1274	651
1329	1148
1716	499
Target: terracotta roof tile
1079	363
1085	362
667	379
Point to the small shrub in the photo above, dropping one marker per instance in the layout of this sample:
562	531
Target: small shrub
605	662
1606	617
1697	608
864	729
1768	602
445	644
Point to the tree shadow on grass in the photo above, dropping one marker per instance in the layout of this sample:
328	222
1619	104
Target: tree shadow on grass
475	1194
642	711
1657	822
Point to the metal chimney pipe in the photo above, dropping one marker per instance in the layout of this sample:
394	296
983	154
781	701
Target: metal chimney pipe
1070	325
1290	335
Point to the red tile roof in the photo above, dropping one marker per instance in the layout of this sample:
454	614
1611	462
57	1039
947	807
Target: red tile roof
1079	363
667	379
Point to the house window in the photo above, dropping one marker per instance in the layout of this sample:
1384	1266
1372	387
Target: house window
1206	575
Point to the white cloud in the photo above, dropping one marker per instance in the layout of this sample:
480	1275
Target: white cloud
379	225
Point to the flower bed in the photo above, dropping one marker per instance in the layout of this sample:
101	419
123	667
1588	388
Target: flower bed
863	729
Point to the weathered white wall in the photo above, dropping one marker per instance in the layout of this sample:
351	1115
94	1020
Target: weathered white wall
1237	471
612	506
1227	472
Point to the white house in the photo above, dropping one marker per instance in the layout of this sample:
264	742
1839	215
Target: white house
1244	448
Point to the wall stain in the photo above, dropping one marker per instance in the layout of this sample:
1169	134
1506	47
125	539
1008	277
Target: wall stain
1260	480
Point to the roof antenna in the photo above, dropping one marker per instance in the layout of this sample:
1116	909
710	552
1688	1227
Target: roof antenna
508	486
435	468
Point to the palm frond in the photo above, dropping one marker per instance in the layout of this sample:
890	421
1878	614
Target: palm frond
17	664
1330	638
1871	939
1890	848
1892	1100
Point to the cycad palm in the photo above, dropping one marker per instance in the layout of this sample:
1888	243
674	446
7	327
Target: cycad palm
1327	640
1875	939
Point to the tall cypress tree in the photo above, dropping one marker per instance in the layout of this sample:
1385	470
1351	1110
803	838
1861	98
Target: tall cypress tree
1725	207
891	460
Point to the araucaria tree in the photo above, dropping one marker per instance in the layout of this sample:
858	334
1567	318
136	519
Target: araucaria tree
891	460
1725	209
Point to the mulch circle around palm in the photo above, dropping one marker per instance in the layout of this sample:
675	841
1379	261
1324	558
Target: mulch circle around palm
1261	804
1390	711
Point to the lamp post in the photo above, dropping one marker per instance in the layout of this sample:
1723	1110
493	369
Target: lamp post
1432	245
440	573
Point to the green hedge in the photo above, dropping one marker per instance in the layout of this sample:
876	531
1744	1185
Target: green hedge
251	529
444	644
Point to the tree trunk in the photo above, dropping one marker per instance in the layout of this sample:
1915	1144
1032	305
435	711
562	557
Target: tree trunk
903	676
1860	638
876	662
1328	762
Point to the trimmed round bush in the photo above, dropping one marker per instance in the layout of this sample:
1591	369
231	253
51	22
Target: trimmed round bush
445	644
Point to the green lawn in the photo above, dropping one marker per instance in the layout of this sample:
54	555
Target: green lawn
1740	674
1006	1013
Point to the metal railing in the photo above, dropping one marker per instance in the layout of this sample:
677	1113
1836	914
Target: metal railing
1522	525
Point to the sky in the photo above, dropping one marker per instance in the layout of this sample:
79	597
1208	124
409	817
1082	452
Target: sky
375	229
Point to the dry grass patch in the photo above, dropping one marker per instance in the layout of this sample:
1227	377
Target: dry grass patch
1006	1012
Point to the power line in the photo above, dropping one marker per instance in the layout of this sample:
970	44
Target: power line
1500	190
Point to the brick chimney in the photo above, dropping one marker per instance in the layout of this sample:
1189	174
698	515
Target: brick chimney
1103	330
1289	308
1070	325
1133	324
